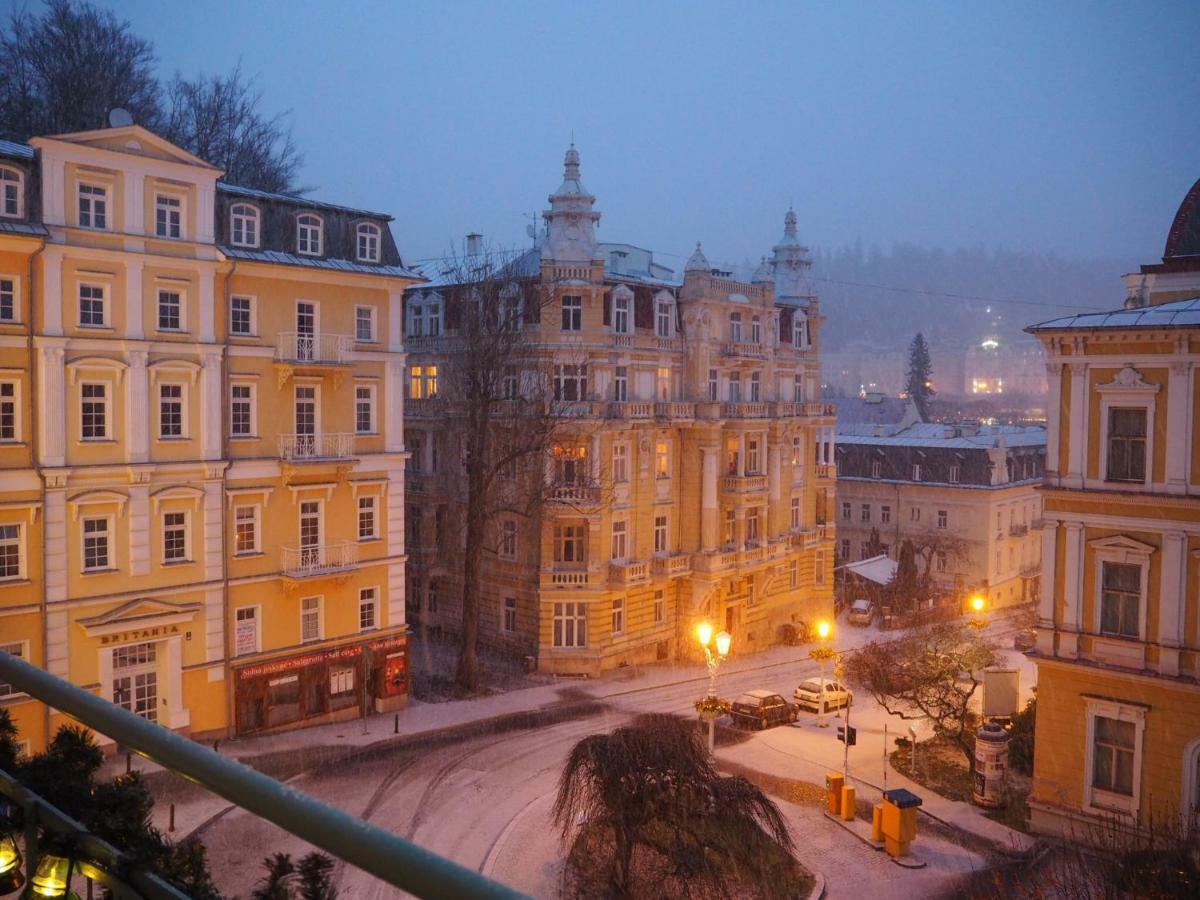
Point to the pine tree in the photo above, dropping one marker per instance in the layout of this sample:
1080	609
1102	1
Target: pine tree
920	375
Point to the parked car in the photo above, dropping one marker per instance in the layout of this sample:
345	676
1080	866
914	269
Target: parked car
762	709
861	612
837	695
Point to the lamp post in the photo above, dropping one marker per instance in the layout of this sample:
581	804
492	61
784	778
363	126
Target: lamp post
822	652
715	650
978	604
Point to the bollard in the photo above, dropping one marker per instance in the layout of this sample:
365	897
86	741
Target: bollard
848	807
171	824
834	781
396	724
128	763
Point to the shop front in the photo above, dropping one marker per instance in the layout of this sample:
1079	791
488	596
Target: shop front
325	685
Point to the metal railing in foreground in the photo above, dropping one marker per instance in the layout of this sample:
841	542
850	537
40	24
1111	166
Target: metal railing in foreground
392	859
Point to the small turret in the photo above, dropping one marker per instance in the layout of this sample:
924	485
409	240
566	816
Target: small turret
571	220
698	262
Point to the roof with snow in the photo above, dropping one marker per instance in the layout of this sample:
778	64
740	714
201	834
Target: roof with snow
876	409
968	436
879	569
340	265
297	200
1176	314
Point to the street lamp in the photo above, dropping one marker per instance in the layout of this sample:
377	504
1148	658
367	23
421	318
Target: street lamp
824	653
978	603
710	707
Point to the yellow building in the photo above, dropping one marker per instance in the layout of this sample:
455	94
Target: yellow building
1118	649
202	493
692	478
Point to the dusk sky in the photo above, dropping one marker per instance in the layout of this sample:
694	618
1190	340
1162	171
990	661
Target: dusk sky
1066	127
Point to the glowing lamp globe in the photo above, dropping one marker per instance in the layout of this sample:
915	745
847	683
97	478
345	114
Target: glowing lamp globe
52	880
823	629
10	865
704	632
977	603
724	639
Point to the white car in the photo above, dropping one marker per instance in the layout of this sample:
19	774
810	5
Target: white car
808	694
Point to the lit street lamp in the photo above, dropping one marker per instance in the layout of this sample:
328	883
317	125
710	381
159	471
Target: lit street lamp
978	604
824	653
715	651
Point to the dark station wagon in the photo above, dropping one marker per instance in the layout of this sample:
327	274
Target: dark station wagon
762	709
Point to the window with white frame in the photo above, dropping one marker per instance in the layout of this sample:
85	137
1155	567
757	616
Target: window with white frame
865	513
620	539
570	382
914	514
93	206
1113	762
364	408
876	468
846	510
753	519
799	330
368	518
735	387
569	543
662	459
943	518
660	607
8	300
96	552
735	327
11	555
621	384
819	568
510	614
310	235
170	311
714	385
885	515
175	537
618	615
755	330
845	542
310	619
798	387
1120	599
12	194
242	412
367	242
243	225
93	306
755	387
364	324
10	412
168	216
662	535
246	528
941	562
753	460
664	318
19	649
241	316
916	472
620	316
620	462
245	631
955	474
508	539
795	512
570	625
93	411
416	318
1126	445
572	313
368	609
512	308
170	411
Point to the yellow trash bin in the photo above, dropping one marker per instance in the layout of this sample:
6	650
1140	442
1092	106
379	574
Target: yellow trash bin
834	781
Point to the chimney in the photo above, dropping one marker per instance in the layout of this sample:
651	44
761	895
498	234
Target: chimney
474	244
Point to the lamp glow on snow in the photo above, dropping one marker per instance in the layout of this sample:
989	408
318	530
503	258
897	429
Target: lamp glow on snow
52	879
704	633
10	865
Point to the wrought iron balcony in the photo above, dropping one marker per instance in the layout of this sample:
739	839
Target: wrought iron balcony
316	447
319	559
300	349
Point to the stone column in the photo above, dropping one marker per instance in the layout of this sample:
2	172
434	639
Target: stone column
55	542
206	198
52	371
210	404
213	532
1053	417
1068	638
1077	439
178	715
137	407
709	507
1172	600
1179	427
396	549
739	528
135	316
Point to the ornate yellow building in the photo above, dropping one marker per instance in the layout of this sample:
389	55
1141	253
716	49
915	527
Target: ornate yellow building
694	473
1118	649
201	447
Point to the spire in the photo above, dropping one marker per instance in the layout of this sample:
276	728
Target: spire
790	263
570	220
697	262
789	223
571	164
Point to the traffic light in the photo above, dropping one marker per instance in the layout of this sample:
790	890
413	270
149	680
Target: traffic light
843	731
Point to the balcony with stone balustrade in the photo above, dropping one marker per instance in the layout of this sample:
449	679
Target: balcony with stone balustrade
628	572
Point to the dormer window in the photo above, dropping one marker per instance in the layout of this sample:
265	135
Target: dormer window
368	242
309	235
621	312
11	196
243	225
664	317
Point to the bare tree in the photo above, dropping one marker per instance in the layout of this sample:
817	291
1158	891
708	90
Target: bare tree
65	70
929	672
219	118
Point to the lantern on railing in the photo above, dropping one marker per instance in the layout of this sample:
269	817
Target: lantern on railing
10	864
52	881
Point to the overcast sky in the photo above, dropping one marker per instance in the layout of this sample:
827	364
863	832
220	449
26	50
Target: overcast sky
1062	126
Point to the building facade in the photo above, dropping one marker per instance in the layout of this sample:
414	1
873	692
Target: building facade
965	495
1118	647
202	476
691	478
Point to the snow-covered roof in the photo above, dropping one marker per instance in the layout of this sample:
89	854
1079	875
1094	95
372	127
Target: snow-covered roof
934	434
297	200
23	228
291	259
1176	314
449	270
879	569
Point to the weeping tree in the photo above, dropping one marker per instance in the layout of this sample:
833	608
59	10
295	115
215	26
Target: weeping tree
653	785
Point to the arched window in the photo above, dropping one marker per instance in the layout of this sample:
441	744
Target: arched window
368	242
799	330
309	235
12	200
243	225
664	316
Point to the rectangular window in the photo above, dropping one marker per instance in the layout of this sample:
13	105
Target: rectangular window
1127	445
955	474
661	535
876	468
570	625
620	539
1112	755
568	543
735	387
364	324
245	529
310	619
914	514
756	329
620	314
916	472
795	513
368	612
241	316
620	463
10	551
245	630
797	451
752	520
618	615
174	537
509	385
93	206
885	515
510	614
170	410
753	462
755	387
364	409
662	459
729	528
819	568
241	410
660	608
135	679
865	513
662	319
508	539
170	311
621	384
941	561
95	545
794	575
18	650
8	300
846	514
714	382
1120	600
735	327
572	313
943	518
367	519
798	387
570	382
8	412
845	542
663	384
93	309
167	216
93	412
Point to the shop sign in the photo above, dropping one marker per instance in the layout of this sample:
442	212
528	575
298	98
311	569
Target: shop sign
298	662
140	634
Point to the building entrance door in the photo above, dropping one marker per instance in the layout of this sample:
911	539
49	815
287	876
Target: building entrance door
135	679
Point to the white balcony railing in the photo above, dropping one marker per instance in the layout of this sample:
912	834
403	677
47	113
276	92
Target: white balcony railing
630	409
573	494
298	447
745	410
744	484
629	572
314	349
319	559
747	349
669	409
673	566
